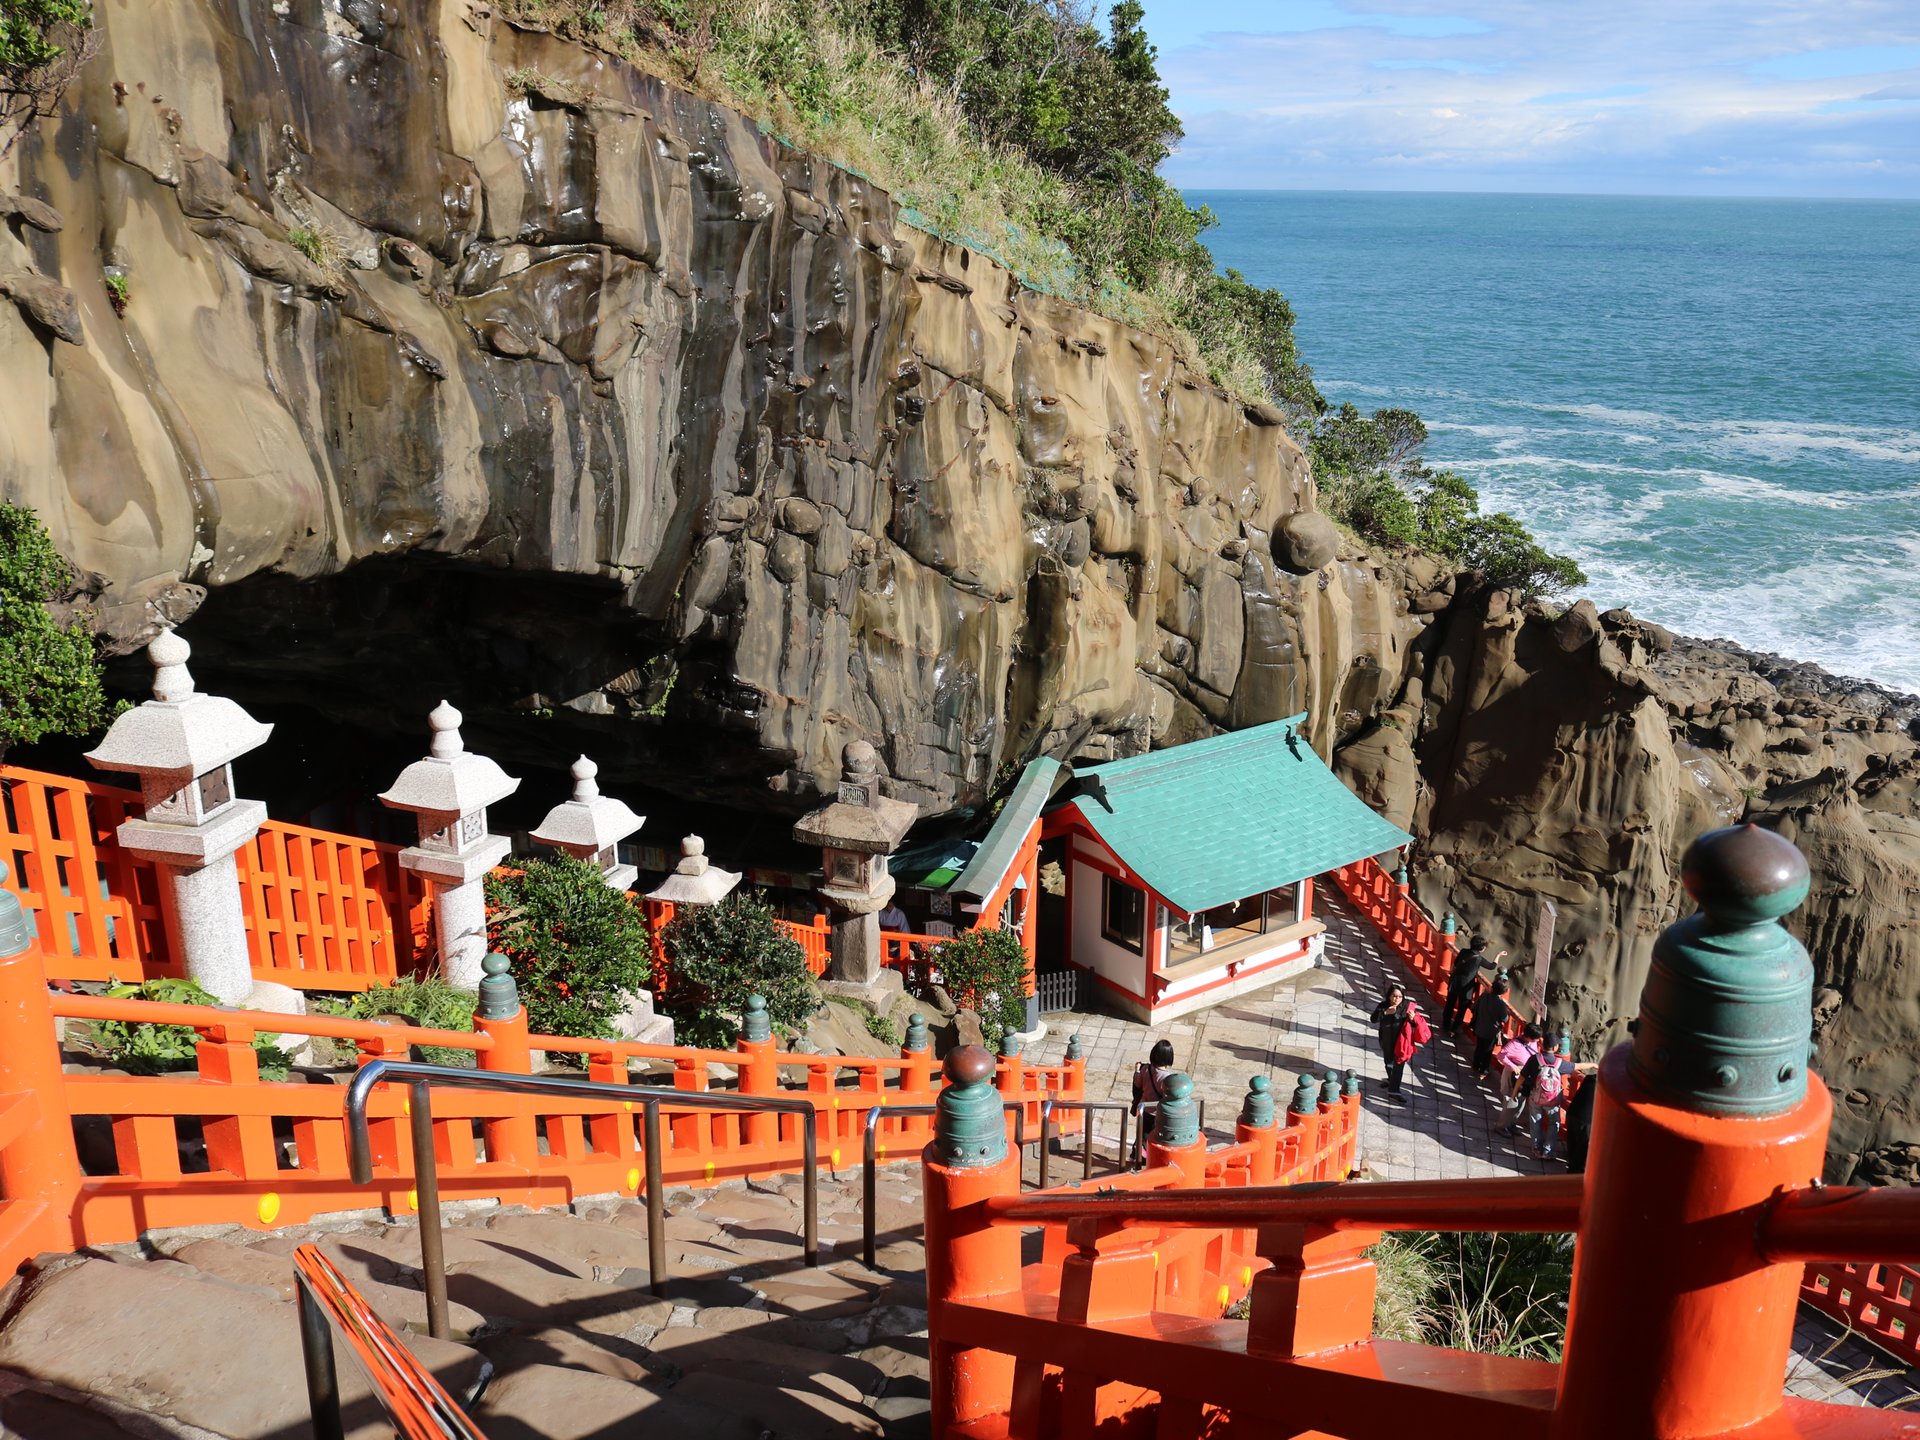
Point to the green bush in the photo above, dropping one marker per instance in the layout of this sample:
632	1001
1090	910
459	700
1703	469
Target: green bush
427	1001
43	44
140	1048
49	670
1371	478
718	955
1495	1294
579	947
985	971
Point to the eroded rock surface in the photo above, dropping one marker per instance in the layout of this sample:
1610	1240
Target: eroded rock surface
623	411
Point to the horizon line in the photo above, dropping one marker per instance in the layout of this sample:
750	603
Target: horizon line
1193	188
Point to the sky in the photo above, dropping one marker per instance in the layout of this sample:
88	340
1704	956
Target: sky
1641	97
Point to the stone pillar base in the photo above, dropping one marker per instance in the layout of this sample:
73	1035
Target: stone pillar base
460	928
212	929
853	948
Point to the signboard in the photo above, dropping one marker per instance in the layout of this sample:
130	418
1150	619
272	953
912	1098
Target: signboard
1542	959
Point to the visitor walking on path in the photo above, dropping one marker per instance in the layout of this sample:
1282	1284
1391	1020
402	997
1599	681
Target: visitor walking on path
1402	1030
1470	966
1490	1015
1543	1086
1149	1076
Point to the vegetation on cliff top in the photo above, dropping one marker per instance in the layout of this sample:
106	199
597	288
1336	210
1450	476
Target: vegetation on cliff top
1024	129
43	44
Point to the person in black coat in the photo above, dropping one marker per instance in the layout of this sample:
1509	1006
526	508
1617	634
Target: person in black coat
1580	1123
1490	1015
1390	1017
1469	966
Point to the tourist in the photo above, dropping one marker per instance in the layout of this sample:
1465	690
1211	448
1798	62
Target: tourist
1470	966
1580	1123
1490	1015
1543	1085
1402	1030
1149	1080
1513	1055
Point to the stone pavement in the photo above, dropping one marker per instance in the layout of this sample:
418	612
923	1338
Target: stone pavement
1318	1022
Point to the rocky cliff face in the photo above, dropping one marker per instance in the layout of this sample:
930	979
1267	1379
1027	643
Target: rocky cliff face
619	409
459	360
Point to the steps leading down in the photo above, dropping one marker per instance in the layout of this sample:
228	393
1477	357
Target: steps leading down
556	1334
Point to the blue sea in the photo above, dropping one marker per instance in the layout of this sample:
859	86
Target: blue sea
1714	405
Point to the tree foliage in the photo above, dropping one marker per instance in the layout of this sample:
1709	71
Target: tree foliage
579	948
718	955
985	971
1372	477
49	669
43	44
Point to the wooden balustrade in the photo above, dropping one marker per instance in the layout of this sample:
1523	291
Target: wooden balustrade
1879	1302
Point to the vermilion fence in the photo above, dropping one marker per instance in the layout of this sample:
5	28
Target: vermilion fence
1876	1301
323	911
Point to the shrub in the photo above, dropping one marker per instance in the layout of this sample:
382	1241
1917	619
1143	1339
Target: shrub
1495	1294
49	669
579	947
43	44
319	245
985	971
718	955
141	1048
427	1001
118	292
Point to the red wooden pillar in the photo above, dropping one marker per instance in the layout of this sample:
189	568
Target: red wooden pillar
39	1167
968	1258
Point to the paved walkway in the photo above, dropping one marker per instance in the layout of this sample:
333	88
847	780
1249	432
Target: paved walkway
1318	1022
1449	1131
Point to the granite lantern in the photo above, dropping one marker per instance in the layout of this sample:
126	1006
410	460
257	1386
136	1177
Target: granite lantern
449	792
695	880
856	833
182	745
591	826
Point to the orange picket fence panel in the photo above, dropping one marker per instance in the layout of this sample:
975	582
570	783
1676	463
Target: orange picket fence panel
330	912
1880	1303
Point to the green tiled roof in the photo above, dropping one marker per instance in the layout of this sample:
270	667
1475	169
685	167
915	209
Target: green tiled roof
1216	820
1002	843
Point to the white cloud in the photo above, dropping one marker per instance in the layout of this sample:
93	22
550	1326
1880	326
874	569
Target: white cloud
1708	96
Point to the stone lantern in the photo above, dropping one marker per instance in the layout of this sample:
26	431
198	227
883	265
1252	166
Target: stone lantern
695	880
182	745
449	792
856	833
591	826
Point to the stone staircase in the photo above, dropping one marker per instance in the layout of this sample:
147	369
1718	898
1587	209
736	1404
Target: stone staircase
556	1333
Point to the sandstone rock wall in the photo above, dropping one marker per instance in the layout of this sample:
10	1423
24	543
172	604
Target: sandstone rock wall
811	474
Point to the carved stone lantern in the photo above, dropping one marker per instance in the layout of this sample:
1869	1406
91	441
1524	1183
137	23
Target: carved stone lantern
856	833
695	880
449	792
182	745
591	826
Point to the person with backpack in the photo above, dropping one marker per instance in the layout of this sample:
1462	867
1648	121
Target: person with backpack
1149	1076
1402	1029
1543	1085
1469	967
1490	1015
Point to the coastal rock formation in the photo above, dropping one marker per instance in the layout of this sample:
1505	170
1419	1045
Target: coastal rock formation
1573	756
412	354
624	411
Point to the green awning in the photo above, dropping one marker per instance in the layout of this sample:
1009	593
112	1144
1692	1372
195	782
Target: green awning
932	865
1217	820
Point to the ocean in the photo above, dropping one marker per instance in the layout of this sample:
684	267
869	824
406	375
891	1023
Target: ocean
1713	405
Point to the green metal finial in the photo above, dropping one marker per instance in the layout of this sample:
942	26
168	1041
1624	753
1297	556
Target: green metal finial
1330	1088
970	1130
916	1040
1726	1018
1400	876
16	931
757	1028
1306	1096
1074	1052
1257	1109
1353	1082
1449	925
1179	1122
499	996
1010	1046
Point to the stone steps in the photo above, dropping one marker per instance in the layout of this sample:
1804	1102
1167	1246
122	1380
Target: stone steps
556	1334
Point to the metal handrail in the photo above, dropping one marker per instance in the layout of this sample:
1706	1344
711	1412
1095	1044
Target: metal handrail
1050	1104
416	1403
869	1155
427	1180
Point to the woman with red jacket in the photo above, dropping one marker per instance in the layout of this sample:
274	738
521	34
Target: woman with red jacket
1402	1030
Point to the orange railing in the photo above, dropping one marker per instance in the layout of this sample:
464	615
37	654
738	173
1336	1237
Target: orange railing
276	1153
323	911
1408	930
1876	1302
